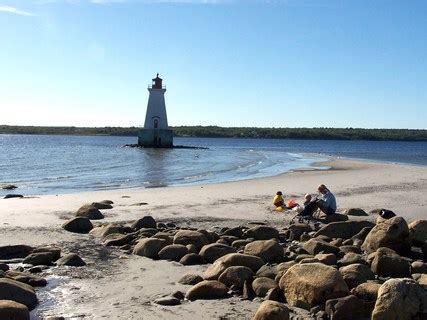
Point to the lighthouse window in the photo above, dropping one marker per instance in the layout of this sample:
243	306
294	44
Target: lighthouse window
156	123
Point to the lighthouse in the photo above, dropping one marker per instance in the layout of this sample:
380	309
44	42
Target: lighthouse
156	132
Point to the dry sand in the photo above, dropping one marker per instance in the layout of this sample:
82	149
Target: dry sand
116	286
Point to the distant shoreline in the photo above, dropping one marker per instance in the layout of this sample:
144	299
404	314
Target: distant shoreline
411	135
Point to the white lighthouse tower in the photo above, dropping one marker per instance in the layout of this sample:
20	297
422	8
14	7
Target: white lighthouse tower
156	133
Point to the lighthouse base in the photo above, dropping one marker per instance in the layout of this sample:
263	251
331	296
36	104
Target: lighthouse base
155	138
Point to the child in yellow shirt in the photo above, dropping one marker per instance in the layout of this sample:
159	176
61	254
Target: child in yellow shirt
278	200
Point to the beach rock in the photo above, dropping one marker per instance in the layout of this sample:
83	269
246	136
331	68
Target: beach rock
105	230
387	263
315	246
267	250
8	186
236	276
214	270
78	225
167	301
207	289
351	258
356	212
337	217
367	292
40	258
362	234
167	237
179	295
346	308
191	248
392	233
90	212
72	260
422	280
262	233
15	251
55	252
173	252
297	229
149	247
355	274
343	230
144	222
416	267
186	237
274	295
235	232
13	195
272	310
418	232
262	285
327	258
241	243
118	239
191	259
101	205
18	292
400	299
190	279
307	285
350	248
213	251
239	259
11	310
267	271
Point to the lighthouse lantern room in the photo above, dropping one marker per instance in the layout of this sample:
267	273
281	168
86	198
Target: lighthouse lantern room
156	132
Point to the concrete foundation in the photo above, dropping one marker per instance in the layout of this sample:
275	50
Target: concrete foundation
155	138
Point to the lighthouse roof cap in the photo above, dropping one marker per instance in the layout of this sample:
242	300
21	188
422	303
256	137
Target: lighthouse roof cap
157	77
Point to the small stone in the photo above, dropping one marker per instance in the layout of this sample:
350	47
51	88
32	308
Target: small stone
168	301
72	260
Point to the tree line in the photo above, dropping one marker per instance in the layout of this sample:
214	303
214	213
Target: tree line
235	132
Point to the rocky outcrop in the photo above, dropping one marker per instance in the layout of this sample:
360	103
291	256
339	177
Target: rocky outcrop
400	299
392	233
310	284
272	310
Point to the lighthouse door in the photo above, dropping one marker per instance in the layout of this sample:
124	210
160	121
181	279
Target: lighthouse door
156	123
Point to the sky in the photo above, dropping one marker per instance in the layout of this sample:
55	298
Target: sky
241	63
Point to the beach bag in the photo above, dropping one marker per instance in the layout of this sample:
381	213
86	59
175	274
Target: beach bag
292	203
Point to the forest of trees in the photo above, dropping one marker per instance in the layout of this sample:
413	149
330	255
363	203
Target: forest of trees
236	132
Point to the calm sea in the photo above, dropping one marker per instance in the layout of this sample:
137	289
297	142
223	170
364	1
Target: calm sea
63	164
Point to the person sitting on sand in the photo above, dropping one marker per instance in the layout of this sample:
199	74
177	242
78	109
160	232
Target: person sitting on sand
278	200
327	203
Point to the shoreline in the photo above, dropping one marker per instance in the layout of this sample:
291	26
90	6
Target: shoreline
120	286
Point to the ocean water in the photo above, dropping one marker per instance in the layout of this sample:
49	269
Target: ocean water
62	164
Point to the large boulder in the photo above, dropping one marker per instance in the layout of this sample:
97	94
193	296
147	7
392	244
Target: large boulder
149	247
358	212
173	252
235	276
367	291
15	251
105	230
392	233
344	230
345	308
239	259
272	310
267	250
307	285
191	259
297	229
262	285
78	225
400	299
18	292
207	289
72	260
355	274
387	263
186	237
11	310
337	217
267	271
39	258
262	233
315	246
144	222
418	232
213	251
90	212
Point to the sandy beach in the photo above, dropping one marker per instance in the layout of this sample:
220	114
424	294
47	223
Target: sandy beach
118	286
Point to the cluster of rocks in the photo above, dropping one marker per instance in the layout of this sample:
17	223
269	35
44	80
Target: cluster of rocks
17	285
343	270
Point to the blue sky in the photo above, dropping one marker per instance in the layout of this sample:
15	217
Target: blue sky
277	63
